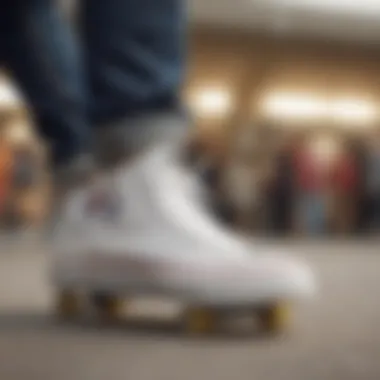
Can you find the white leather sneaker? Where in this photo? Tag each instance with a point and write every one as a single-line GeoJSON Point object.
{"type": "Point", "coordinates": [144, 229]}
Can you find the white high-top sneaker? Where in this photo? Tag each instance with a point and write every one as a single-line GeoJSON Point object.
{"type": "Point", "coordinates": [143, 229]}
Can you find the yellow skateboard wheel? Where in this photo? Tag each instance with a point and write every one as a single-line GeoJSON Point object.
{"type": "Point", "coordinates": [200, 321]}
{"type": "Point", "coordinates": [68, 304]}
{"type": "Point", "coordinates": [275, 319]}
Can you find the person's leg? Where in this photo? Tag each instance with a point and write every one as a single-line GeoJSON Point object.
{"type": "Point", "coordinates": [134, 53]}
{"type": "Point", "coordinates": [313, 214]}
{"type": "Point", "coordinates": [321, 210]}
{"type": "Point", "coordinates": [159, 224]}
{"type": "Point", "coordinates": [377, 213]}
{"type": "Point", "coordinates": [41, 55]}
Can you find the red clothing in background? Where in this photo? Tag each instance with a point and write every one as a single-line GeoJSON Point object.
{"type": "Point", "coordinates": [309, 174]}
{"type": "Point", "coordinates": [345, 175]}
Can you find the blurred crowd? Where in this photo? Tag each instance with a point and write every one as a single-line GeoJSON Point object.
{"type": "Point", "coordinates": [261, 181]}
{"type": "Point", "coordinates": [298, 184]}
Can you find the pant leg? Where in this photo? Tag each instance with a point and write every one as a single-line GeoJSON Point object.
{"type": "Point", "coordinates": [376, 212]}
{"type": "Point", "coordinates": [320, 213]}
{"type": "Point", "coordinates": [134, 53]}
{"type": "Point", "coordinates": [315, 214]}
{"type": "Point", "coordinates": [40, 53]}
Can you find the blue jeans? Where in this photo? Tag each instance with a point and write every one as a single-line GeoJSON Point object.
{"type": "Point", "coordinates": [313, 209]}
{"type": "Point", "coordinates": [126, 59]}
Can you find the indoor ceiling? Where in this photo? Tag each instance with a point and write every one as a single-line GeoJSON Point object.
{"type": "Point", "coordinates": [344, 19]}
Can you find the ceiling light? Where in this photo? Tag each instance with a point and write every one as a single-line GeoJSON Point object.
{"type": "Point", "coordinates": [9, 96]}
{"type": "Point", "coordinates": [363, 7]}
{"type": "Point", "coordinates": [354, 111]}
{"type": "Point", "coordinates": [291, 106]}
{"type": "Point", "coordinates": [211, 102]}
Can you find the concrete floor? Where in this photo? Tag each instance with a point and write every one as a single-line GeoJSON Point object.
{"type": "Point", "coordinates": [335, 337]}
